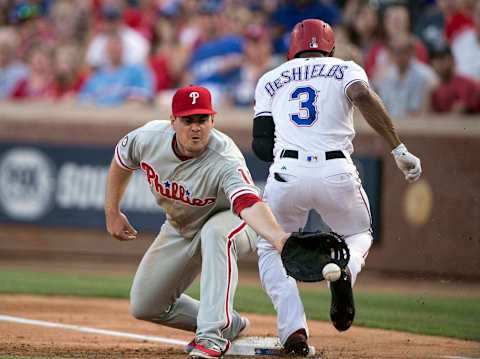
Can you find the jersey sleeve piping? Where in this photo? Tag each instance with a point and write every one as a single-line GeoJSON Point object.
{"type": "Point", "coordinates": [262, 113]}
{"type": "Point", "coordinates": [351, 83]}
{"type": "Point", "coordinates": [120, 162]}
{"type": "Point", "coordinates": [242, 191]}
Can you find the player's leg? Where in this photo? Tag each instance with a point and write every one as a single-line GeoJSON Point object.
{"type": "Point", "coordinates": [224, 238]}
{"type": "Point", "coordinates": [168, 267]}
{"type": "Point", "coordinates": [283, 292]}
{"type": "Point", "coordinates": [344, 206]}
{"type": "Point", "coordinates": [286, 201]}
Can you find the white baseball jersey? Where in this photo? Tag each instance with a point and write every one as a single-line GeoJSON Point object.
{"type": "Point", "coordinates": [307, 99]}
{"type": "Point", "coordinates": [312, 114]}
{"type": "Point", "coordinates": [189, 191]}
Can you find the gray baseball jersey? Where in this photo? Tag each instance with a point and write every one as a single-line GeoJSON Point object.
{"type": "Point", "coordinates": [189, 191]}
{"type": "Point", "coordinates": [201, 233]}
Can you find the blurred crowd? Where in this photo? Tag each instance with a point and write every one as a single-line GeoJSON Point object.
{"type": "Point", "coordinates": [421, 56]}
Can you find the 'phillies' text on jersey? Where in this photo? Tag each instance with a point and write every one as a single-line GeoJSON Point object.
{"type": "Point", "coordinates": [172, 189]}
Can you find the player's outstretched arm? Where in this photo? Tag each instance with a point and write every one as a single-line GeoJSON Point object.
{"type": "Point", "coordinates": [261, 219]}
{"type": "Point", "coordinates": [116, 222]}
{"type": "Point", "coordinates": [374, 112]}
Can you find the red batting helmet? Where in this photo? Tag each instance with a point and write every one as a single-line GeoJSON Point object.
{"type": "Point", "coordinates": [192, 100]}
{"type": "Point", "coordinates": [311, 35]}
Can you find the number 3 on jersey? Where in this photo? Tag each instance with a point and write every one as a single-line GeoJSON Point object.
{"type": "Point", "coordinates": [308, 112]}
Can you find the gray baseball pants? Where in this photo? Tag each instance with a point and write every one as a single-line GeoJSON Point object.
{"type": "Point", "coordinates": [172, 263]}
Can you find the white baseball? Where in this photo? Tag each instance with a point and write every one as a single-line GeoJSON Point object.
{"type": "Point", "coordinates": [331, 272]}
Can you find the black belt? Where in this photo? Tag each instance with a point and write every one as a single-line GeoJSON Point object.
{"type": "Point", "coordinates": [329, 155]}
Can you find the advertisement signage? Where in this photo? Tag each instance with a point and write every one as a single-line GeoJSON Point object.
{"type": "Point", "coordinates": [65, 186]}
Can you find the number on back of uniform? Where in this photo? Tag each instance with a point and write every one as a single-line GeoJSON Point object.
{"type": "Point", "coordinates": [306, 97]}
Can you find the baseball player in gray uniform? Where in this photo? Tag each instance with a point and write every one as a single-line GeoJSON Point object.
{"type": "Point", "coordinates": [213, 214]}
{"type": "Point", "coordinates": [304, 124]}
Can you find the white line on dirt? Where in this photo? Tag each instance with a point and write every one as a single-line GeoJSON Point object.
{"type": "Point", "coordinates": [79, 328]}
{"type": "Point", "coordinates": [149, 338]}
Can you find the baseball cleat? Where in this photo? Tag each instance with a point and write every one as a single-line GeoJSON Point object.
{"type": "Point", "coordinates": [297, 344]}
{"type": "Point", "coordinates": [244, 330]}
{"type": "Point", "coordinates": [207, 349]}
{"type": "Point", "coordinates": [342, 308]}
{"type": "Point", "coordinates": [189, 347]}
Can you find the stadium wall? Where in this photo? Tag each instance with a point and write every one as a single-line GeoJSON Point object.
{"type": "Point", "coordinates": [54, 158]}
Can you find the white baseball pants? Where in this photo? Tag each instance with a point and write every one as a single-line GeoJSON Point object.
{"type": "Point", "coordinates": [332, 188]}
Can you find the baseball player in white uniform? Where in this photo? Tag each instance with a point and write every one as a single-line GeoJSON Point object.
{"type": "Point", "coordinates": [303, 123]}
{"type": "Point", "coordinates": [199, 177]}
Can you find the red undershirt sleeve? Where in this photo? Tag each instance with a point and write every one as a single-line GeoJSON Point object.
{"type": "Point", "coordinates": [244, 201]}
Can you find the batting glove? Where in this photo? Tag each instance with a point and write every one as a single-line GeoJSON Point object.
{"type": "Point", "coordinates": [408, 163]}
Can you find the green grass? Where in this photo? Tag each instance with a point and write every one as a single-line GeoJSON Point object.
{"type": "Point", "coordinates": [41, 283]}
{"type": "Point", "coordinates": [452, 317]}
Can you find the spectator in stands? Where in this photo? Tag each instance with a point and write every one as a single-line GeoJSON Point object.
{"type": "Point", "coordinates": [344, 48]}
{"type": "Point", "coordinates": [70, 72]}
{"type": "Point", "coordinates": [116, 83]}
{"type": "Point", "coordinates": [32, 28]}
{"type": "Point", "coordinates": [189, 25]}
{"type": "Point", "coordinates": [71, 21]}
{"type": "Point", "coordinates": [135, 47]}
{"type": "Point", "coordinates": [169, 57]}
{"type": "Point", "coordinates": [395, 23]}
{"type": "Point", "coordinates": [457, 15]}
{"type": "Point", "coordinates": [216, 62]}
{"type": "Point", "coordinates": [455, 93]}
{"type": "Point", "coordinates": [238, 16]}
{"type": "Point", "coordinates": [465, 44]}
{"type": "Point", "coordinates": [11, 69]}
{"type": "Point", "coordinates": [40, 83]}
{"type": "Point", "coordinates": [258, 60]}
{"type": "Point", "coordinates": [4, 12]}
{"type": "Point", "coordinates": [139, 16]}
{"type": "Point", "coordinates": [362, 25]}
{"type": "Point", "coordinates": [406, 87]}
{"type": "Point", "coordinates": [429, 25]}
{"type": "Point", "coordinates": [290, 12]}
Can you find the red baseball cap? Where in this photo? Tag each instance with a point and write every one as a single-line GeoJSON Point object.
{"type": "Point", "coordinates": [192, 100]}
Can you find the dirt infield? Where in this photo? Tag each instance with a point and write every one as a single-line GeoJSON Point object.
{"type": "Point", "coordinates": [29, 340]}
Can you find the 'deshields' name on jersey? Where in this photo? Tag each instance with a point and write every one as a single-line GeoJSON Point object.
{"type": "Point", "coordinates": [173, 190]}
{"type": "Point", "coordinates": [302, 73]}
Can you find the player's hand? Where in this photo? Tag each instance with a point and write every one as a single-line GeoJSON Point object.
{"type": "Point", "coordinates": [119, 227]}
{"type": "Point", "coordinates": [409, 164]}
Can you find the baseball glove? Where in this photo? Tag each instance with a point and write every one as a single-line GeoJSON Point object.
{"type": "Point", "coordinates": [306, 253]}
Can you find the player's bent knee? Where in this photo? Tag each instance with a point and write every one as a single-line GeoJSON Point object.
{"type": "Point", "coordinates": [359, 245]}
{"type": "Point", "coordinates": [144, 307]}
{"type": "Point", "coordinates": [141, 311]}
